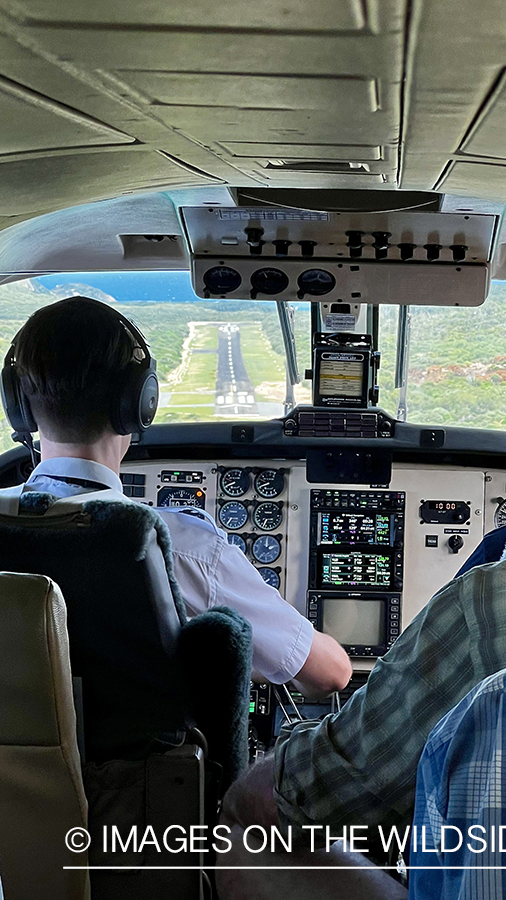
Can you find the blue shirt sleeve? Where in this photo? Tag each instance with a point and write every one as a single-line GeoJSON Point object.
{"type": "Point", "coordinates": [491, 549]}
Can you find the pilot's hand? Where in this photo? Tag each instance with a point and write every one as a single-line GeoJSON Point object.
{"type": "Point", "coordinates": [250, 800]}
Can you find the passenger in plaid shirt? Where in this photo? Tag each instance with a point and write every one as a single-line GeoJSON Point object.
{"type": "Point", "coordinates": [358, 767]}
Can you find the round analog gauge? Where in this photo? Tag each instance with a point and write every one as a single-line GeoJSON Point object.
{"type": "Point", "coordinates": [269, 281]}
{"type": "Point", "coordinates": [222, 280]}
{"type": "Point", "coordinates": [316, 282]}
{"type": "Point", "coordinates": [234, 482]}
{"type": "Point", "coordinates": [181, 496]}
{"type": "Point", "coordinates": [233, 514]}
{"type": "Point", "coordinates": [238, 541]}
{"type": "Point", "coordinates": [268, 516]}
{"type": "Point", "coordinates": [270, 576]}
{"type": "Point", "coordinates": [500, 514]}
{"type": "Point", "coordinates": [266, 549]}
{"type": "Point", "coordinates": [269, 483]}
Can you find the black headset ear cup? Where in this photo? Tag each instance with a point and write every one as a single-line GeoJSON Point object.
{"type": "Point", "coordinates": [135, 407]}
{"type": "Point", "coordinates": [15, 402]}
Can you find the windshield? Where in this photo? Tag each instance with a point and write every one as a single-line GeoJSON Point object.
{"type": "Point", "coordinates": [215, 359]}
{"type": "Point", "coordinates": [457, 363]}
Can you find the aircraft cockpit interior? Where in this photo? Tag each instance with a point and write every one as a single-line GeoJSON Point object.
{"type": "Point", "coordinates": [300, 206]}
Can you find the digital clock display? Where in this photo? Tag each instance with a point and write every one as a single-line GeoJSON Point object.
{"type": "Point", "coordinates": [445, 512]}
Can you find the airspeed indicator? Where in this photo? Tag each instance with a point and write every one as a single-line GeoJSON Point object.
{"type": "Point", "coordinates": [269, 482]}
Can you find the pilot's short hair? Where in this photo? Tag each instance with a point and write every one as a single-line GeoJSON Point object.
{"type": "Point", "coordinates": [71, 359]}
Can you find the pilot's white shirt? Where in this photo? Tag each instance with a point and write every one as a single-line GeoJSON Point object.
{"type": "Point", "coordinates": [210, 571]}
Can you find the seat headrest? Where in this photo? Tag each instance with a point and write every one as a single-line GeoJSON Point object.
{"type": "Point", "coordinates": [36, 704]}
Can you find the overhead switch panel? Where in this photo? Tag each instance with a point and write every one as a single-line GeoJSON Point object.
{"type": "Point", "coordinates": [407, 258]}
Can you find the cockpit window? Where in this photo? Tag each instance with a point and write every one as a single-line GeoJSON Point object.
{"type": "Point", "coordinates": [457, 363]}
{"type": "Point", "coordinates": [216, 359]}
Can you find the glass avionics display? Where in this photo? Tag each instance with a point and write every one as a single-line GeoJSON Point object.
{"type": "Point", "coordinates": [355, 528]}
{"type": "Point", "coordinates": [356, 569]}
{"type": "Point", "coordinates": [355, 622]}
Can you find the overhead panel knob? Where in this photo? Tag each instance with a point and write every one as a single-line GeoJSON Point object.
{"type": "Point", "coordinates": [407, 250]}
{"type": "Point", "coordinates": [432, 251]}
{"type": "Point", "coordinates": [355, 243]}
{"type": "Point", "coordinates": [281, 247]}
{"type": "Point", "coordinates": [254, 239]}
{"type": "Point", "coordinates": [459, 252]}
{"type": "Point", "coordinates": [381, 244]}
{"type": "Point", "coordinates": [307, 247]}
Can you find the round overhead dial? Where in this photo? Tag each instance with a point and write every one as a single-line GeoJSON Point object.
{"type": "Point", "coordinates": [500, 513]}
{"type": "Point", "coordinates": [269, 482]}
{"type": "Point", "coordinates": [266, 549]}
{"type": "Point", "coordinates": [269, 281]}
{"type": "Point", "coordinates": [270, 576]}
{"type": "Point", "coordinates": [234, 482]}
{"type": "Point", "coordinates": [316, 282]}
{"type": "Point", "coordinates": [233, 514]}
{"type": "Point", "coordinates": [238, 541]}
{"type": "Point", "coordinates": [268, 516]}
{"type": "Point", "coordinates": [222, 280]}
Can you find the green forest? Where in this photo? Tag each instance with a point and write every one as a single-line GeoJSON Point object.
{"type": "Point", "coordinates": [457, 363]}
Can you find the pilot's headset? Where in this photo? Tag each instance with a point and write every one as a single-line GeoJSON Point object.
{"type": "Point", "coordinates": [133, 407]}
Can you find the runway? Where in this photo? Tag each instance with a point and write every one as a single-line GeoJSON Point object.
{"type": "Point", "coordinates": [235, 393]}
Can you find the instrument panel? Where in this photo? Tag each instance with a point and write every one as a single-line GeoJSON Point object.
{"type": "Point", "coordinates": [265, 507]}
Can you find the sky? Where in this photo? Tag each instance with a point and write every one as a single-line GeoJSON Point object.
{"type": "Point", "coordinates": [126, 287]}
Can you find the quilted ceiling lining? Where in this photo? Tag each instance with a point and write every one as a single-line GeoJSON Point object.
{"type": "Point", "coordinates": [112, 96]}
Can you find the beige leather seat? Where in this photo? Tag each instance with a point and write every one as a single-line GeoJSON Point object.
{"type": "Point", "coordinates": [41, 789]}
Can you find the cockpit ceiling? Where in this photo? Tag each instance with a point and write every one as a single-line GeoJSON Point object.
{"type": "Point", "coordinates": [108, 97]}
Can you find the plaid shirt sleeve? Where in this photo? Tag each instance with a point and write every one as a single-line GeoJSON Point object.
{"type": "Point", "coordinates": [359, 766]}
{"type": "Point", "coordinates": [461, 787]}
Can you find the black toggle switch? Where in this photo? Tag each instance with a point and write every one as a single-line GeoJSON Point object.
{"type": "Point", "coordinates": [432, 251]}
{"type": "Point", "coordinates": [281, 247]}
{"type": "Point", "coordinates": [307, 247]}
{"type": "Point", "coordinates": [381, 244]}
{"type": "Point", "coordinates": [455, 543]}
{"type": "Point", "coordinates": [254, 239]}
{"type": "Point", "coordinates": [355, 243]}
{"type": "Point", "coordinates": [459, 252]}
{"type": "Point", "coordinates": [406, 250]}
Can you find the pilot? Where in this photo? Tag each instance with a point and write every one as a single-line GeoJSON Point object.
{"type": "Point", "coordinates": [358, 767]}
{"type": "Point", "coordinates": [72, 358]}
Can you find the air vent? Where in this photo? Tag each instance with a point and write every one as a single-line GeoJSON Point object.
{"type": "Point", "coordinates": [154, 245]}
{"type": "Point", "coordinates": [340, 167]}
